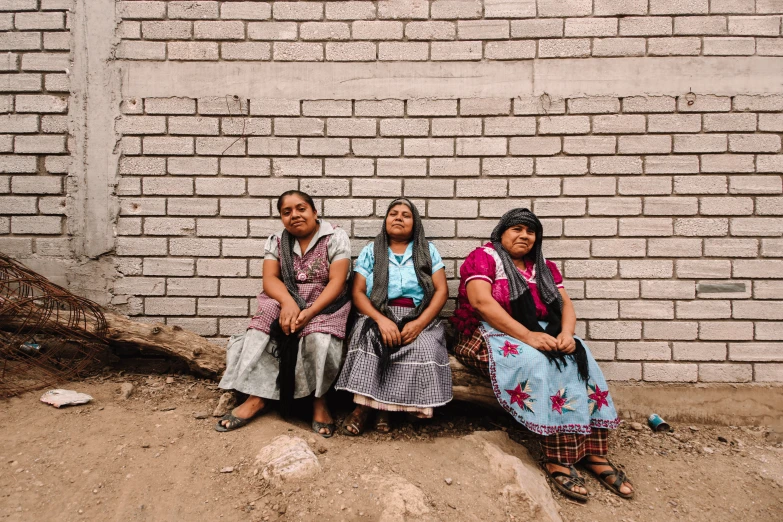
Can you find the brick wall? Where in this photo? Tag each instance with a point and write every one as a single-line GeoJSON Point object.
{"type": "Point", "coordinates": [665, 213]}
{"type": "Point", "coordinates": [447, 30]}
{"type": "Point", "coordinates": [663, 207]}
{"type": "Point", "coordinates": [34, 85]}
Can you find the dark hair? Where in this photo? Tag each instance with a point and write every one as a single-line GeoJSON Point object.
{"type": "Point", "coordinates": [299, 193]}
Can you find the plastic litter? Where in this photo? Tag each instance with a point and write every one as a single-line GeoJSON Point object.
{"type": "Point", "coordinates": [59, 398]}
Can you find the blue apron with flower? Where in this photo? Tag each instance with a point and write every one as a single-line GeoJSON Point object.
{"type": "Point", "coordinates": [542, 398]}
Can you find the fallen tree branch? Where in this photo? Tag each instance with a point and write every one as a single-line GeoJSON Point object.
{"type": "Point", "coordinates": [209, 359]}
{"type": "Point", "coordinates": [202, 357]}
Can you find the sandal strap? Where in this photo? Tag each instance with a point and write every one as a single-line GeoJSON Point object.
{"type": "Point", "coordinates": [573, 477]}
{"type": "Point", "coordinates": [620, 476]}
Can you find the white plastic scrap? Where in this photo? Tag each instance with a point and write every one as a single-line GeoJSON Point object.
{"type": "Point", "coordinates": [59, 398]}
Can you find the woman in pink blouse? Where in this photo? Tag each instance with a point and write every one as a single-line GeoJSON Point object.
{"type": "Point", "coordinates": [516, 324]}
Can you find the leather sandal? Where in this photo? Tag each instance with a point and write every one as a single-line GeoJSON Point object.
{"type": "Point", "coordinates": [328, 426]}
{"type": "Point", "coordinates": [566, 487]}
{"type": "Point", "coordinates": [234, 422]}
{"type": "Point", "coordinates": [355, 421]}
{"type": "Point", "coordinates": [619, 476]}
{"type": "Point", "coordinates": [382, 424]}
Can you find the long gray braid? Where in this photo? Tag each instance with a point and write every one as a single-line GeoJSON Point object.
{"type": "Point", "coordinates": [422, 264]}
{"type": "Point", "coordinates": [287, 268]}
{"type": "Point", "coordinates": [287, 242]}
{"type": "Point", "coordinates": [523, 308]}
{"type": "Point", "coordinates": [287, 345]}
{"type": "Point", "coordinates": [379, 296]}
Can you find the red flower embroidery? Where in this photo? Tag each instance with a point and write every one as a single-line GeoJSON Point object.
{"type": "Point", "coordinates": [521, 397]}
{"type": "Point", "coordinates": [509, 349]}
{"type": "Point", "coordinates": [560, 401]}
{"type": "Point", "coordinates": [597, 397]}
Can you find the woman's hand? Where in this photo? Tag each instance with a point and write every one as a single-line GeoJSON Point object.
{"type": "Point", "coordinates": [289, 312]}
{"type": "Point", "coordinates": [389, 332]}
{"type": "Point", "coordinates": [541, 341]}
{"type": "Point", "coordinates": [411, 331]}
{"type": "Point", "coordinates": [304, 317]}
{"type": "Point", "coordinates": [566, 343]}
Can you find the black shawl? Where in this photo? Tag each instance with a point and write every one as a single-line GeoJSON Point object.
{"type": "Point", "coordinates": [523, 308]}
{"type": "Point", "coordinates": [422, 263]}
{"type": "Point", "coordinates": [287, 346]}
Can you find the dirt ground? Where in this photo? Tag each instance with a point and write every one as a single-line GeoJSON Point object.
{"type": "Point", "coordinates": [150, 458]}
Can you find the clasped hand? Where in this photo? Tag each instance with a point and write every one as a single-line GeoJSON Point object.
{"type": "Point", "coordinates": [544, 342]}
{"type": "Point", "coordinates": [292, 319]}
{"type": "Point", "coordinates": [392, 336]}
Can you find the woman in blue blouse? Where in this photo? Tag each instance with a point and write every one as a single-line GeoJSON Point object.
{"type": "Point", "coordinates": [397, 358]}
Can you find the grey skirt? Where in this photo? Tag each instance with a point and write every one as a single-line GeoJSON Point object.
{"type": "Point", "coordinates": [252, 368]}
{"type": "Point", "coordinates": [418, 373]}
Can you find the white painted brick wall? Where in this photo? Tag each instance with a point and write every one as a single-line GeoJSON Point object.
{"type": "Point", "coordinates": [663, 211]}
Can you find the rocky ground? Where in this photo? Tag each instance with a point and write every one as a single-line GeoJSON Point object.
{"type": "Point", "coordinates": [155, 456]}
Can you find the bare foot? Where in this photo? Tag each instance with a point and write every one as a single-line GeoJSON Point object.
{"type": "Point", "coordinates": [552, 467]}
{"type": "Point", "coordinates": [321, 413]}
{"type": "Point", "coordinates": [598, 465]}
{"type": "Point", "coordinates": [247, 409]}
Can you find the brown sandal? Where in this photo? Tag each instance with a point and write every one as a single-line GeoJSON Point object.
{"type": "Point", "coordinates": [382, 424]}
{"type": "Point", "coordinates": [619, 476]}
{"type": "Point", "coordinates": [355, 420]}
{"type": "Point", "coordinates": [567, 486]}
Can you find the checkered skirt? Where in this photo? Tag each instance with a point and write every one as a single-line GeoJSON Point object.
{"type": "Point", "coordinates": [418, 374]}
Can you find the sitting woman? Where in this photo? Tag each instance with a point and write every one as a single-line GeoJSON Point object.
{"type": "Point", "coordinates": [397, 358]}
{"type": "Point", "coordinates": [516, 325]}
{"type": "Point", "coordinates": [293, 346]}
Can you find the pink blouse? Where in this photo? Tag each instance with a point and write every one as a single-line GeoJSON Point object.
{"type": "Point", "coordinates": [484, 263]}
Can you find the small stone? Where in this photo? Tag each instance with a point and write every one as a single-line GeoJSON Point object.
{"type": "Point", "coordinates": [227, 469]}
{"type": "Point", "coordinates": [282, 509]}
{"type": "Point", "coordinates": [226, 402]}
{"type": "Point", "coordinates": [723, 439]}
{"type": "Point", "coordinates": [126, 390]}
{"type": "Point", "coordinates": [708, 450]}
{"type": "Point", "coordinates": [201, 415]}
{"type": "Point", "coordinates": [449, 481]}
{"type": "Point", "coordinates": [636, 426]}
{"type": "Point", "coordinates": [145, 445]}
{"type": "Point", "coordinates": [168, 408]}
{"type": "Point", "coordinates": [169, 380]}
{"type": "Point", "coordinates": [693, 428]}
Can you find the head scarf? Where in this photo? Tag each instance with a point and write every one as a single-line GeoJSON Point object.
{"type": "Point", "coordinates": [422, 263]}
{"type": "Point", "coordinates": [287, 347]}
{"type": "Point", "coordinates": [523, 308]}
{"type": "Point", "coordinates": [379, 296]}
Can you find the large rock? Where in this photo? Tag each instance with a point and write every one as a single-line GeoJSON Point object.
{"type": "Point", "coordinates": [286, 458]}
{"type": "Point", "coordinates": [525, 482]}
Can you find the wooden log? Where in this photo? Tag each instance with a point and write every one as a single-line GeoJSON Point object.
{"type": "Point", "coordinates": [202, 357]}
{"type": "Point", "coordinates": [209, 359]}
{"type": "Point", "coordinates": [471, 387]}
